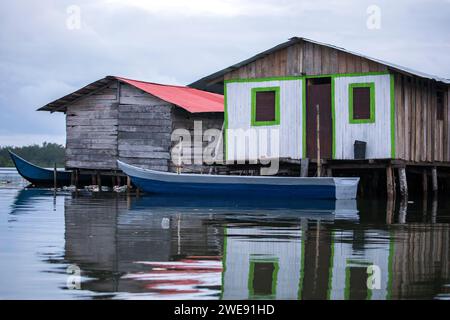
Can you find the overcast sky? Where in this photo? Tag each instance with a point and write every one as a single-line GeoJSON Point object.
{"type": "Point", "coordinates": [44, 55]}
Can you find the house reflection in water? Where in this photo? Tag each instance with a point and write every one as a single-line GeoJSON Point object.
{"type": "Point", "coordinates": [157, 250]}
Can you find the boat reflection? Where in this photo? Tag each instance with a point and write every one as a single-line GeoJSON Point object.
{"type": "Point", "coordinates": [161, 248]}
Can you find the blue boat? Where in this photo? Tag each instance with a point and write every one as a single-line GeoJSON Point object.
{"type": "Point", "coordinates": [41, 177]}
{"type": "Point", "coordinates": [260, 187]}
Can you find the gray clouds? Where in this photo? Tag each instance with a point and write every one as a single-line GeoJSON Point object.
{"type": "Point", "coordinates": [177, 41]}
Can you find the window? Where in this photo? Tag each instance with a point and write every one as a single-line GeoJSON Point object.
{"type": "Point", "coordinates": [265, 106]}
{"type": "Point", "coordinates": [440, 105]}
{"type": "Point", "coordinates": [263, 274]}
{"type": "Point", "coordinates": [361, 102]}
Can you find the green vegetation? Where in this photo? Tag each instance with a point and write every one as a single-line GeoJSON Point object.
{"type": "Point", "coordinates": [44, 156]}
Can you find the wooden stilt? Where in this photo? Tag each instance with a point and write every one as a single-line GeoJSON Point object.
{"type": "Point", "coordinates": [319, 164]}
{"type": "Point", "coordinates": [329, 172]}
{"type": "Point", "coordinates": [403, 183]}
{"type": "Point", "coordinates": [425, 181]}
{"type": "Point", "coordinates": [76, 178]}
{"type": "Point", "coordinates": [434, 207]}
{"type": "Point", "coordinates": [434, 179]}
{"type": "Point", "coordinates": [390, 210]}
{"type": "Point", "coordinates": [424, 206]}
{"type": "Point", "coordinates": [389, 182]}
{"type": "Point", "coordinates": [55, 173]}
{"type": "Point", "coordinates": [304, 163]}
{"type": "Point", "coordinates": [99, 181]}
{"type": "Point", "coordinates": [403, 209]}
{"type": "Point", "coordinates": [93, 180]}
{"type": "Point", "coordinates": [72, 178]}
{"type": "Point", "coordinates": [128, 184]}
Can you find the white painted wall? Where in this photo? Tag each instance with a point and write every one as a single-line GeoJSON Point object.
{"type": "Point", "coordinates": [242, 244]}
{"type": "Point", "coordinates": [290, 127]}
{"type": "Point", "coordinates": [376, 254]}
{"type": "Point", "coordinates": [378, 134]}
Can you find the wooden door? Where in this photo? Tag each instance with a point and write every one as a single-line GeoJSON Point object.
{"type": "Point", "coordinates": [318, 94]}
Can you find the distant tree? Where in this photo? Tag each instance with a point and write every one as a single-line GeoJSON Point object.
{"type": "Point", "coordinates": [44, 156]}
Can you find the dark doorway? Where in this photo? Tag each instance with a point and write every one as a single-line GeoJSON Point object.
{"type": "Point", "coordinates": [318, 92]}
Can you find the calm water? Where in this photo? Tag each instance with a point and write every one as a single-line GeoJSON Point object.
{"type": "Point", "coordinates": [165, 248]}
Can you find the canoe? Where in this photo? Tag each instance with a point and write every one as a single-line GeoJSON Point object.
{"type": "Point", "coordinates": [152, 181]}
{"type": "Point", "coordinates": [41, 177]}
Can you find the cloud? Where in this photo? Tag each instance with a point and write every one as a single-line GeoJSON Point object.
{"type": "Point", "coordinates": [179, 42]}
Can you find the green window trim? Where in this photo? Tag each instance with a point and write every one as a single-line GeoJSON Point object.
{"type": "Point", "coordinates": [371, 86]}
{"type": "Point", "coordinates": [277, 106]}
{"type": "Point", "coordinates": [251, 277]}
{"type": "Point", "coordinates": [355, 263]}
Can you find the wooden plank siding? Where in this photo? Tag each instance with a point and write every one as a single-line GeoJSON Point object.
{"type": "Point", "coordinates": [420, 137]}
{"type": "Point", "coordinates": [121, 122]}
{"type": "Point", "coordinates": [91, 130]}
{"type": "Point", "coordinates": [307, 58]}
{"type": "Point", "coordinates": [410, 273]}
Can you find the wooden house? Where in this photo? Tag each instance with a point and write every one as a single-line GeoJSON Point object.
{"type": "Point", "coordinates": [122, 119]}
{"type": "Point", "coordinates": [401, 115]}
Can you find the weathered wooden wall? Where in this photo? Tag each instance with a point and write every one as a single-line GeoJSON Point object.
{"type": "Point", "coordinates": [144, 129]}
{"type": "Point", "coordinates": [121, 122]}
{"type": "Point", "coordinates": [308, 58]}
{"type": "Point", "coordinates": [181, 119]}
{"type": "Point", "coordinates": [412, 273]}
{"type": "Point", "coordinates": [420, 137]}
{"type": "Point", "coordinates": [91, 130]}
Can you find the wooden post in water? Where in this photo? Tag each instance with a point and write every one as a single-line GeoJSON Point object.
{"type": "Point", "coordinates": [128, 184]}
{"type": "Point", "coordinates": [424, 182]}
{"type": "Point", "coordinates": [76, 178]}
{"type": "Point", "coordinates": [389, 182]}
{"type": "Point", "coordinates": [55, 184]}
{"type": "Point", "coordinates": [390, 210]}
{"type": "Point", "coordinates": [99, 181]}
{"type": "Point", "coordinates": [403, 183]}
{"type": "Point", "coordinates": [434, 179]}
{"type": "Point", "coordinates": [319, 165]}
{"type": "Point", "coordinates": [304, 164]}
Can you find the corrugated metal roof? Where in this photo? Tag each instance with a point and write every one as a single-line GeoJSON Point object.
{"type": "Point", "coordinates": [206, 81]}
{"type": "Point", "coordinates": [190, 99]}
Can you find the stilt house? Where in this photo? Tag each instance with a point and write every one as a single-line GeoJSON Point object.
{"type": "Point", "coordinates": [116, 118]}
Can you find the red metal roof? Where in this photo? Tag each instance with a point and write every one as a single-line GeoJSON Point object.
{"type": "Point", "coordinates": [192, 100]}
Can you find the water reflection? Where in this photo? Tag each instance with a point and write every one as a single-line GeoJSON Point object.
{"type": "Point", "coordinates": [162, 248]}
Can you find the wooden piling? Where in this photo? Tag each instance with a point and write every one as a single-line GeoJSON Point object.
{"type": "Point", "coordinates": [128, 184]}
{"type": "Point", "coordinates": [319, 165]}
{"type": "Point", "coordinates": [390, 210]}
{"type": "Point", "coordinates": [76, 178]}
{"type": "Point", "coordinates": [403, 183]}
{"type": "Point", "coordinates": [55, 173]}
{"type": "Point", "coordinates": [99, 181]}
{"type": "Point", "coordinates": [304, 166]}
{"type": "Point", "coordinates": [329, 172]}
{"type": "Point", "coordinates": [389, 182]}
{"type": "Point", "coordinates": [424, 181]}
{"type": "Point", "coordinates": [403, 210]}
{"type": "Point", "coordinates": [434, 179]}
{"type": "Point", "coordinates": [434, 207]}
